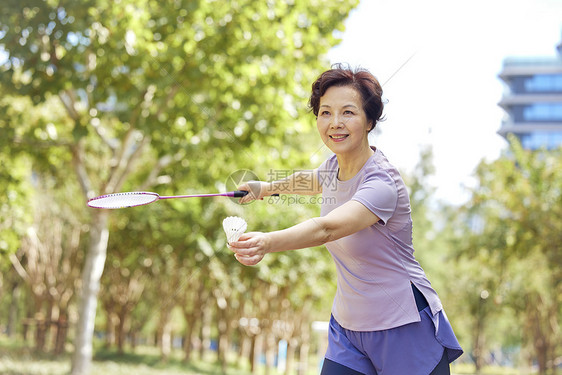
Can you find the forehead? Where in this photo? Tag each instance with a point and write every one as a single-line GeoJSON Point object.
{"type": "Point", "coordinates": [341, 95]}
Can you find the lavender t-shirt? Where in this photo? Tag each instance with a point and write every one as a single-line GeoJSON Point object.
{"type": "Point", "coordinates": [375, 266]}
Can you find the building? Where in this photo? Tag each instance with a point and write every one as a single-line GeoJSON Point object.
{"type": "Point", "coordinates": [533, 100]}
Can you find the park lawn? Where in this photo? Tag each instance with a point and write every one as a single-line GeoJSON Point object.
{"type": "Point", "coordinates": [18, 359]}
{"type": "Point", "coordinates": [468, 369]}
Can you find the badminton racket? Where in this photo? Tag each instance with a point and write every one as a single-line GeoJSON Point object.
{"type": "Point", "coordinates": [141, 198]}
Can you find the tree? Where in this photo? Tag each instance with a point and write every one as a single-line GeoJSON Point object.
{"type": "Point", "coordinates": [512, 239]}
{"type": "Point", "coordinates": [141, 81]}
{"type": "Point", "coordinates": [49, 261]}
{"type": "Point", "coordinates": [15, 173]}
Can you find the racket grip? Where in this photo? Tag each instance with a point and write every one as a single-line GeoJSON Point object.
{"type": "Point", "coordinates": [243, 193]}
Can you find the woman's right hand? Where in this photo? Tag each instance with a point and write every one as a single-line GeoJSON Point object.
{"type": "Point", "coordinates": [251, 247]}
{"type": "Point", "coordinates": [256, 190]}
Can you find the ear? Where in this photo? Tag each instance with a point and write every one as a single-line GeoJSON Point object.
{"type": "Point", "coordinates": [371, 126]}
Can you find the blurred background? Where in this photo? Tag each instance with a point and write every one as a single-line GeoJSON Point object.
{"type": "Point", "coordinates": [187, 96]}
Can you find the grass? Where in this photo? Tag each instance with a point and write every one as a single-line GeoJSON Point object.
{"type": "Point", "coordinates": [12, 363]}
{"type": "Point", "coordinates": [468, 369]}
{"type": "Point", "coordinates": [18, 359]}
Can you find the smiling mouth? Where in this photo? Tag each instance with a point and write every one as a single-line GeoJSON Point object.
{"type": "Point", "coordinates": [339, 137]}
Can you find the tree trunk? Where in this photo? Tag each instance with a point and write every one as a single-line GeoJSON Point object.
{"type": "Point", "coordinates": [205, 328]}
{"type": "Point", "coordinates": [164, 332]}
{"type": "Point", "coordinates": [269, 350]}
{"type": "Point", "coordinates": [478, 343]}
{"type": "Point", "coordinates": [291, 348]}
{"type": "Point", "coordinates": [188, 335]}
{"type": "Point", "coordinates": [133, 338]}
{"type": "Point", "coordinates": [13, 309]}
{"type": "Point", "coordinates": [41, 325]}
{"type": "Point", "coordinates": [91, 275]}
{"type": "Point", "coordinates": [257, 351]}
{"type": "Point", "coordinates": [245, 346]}
{"type": "Point", "coordinates": [305, 340]}
{"type": "Point", "coordinates": [303, 356]}
{"type": "Point", "coordinates": [123, 312]}
{"type": "Point", "coordinates": [61, 332]}
{"type": "Point", "coordinates": [166, 341]}
{"type": "Point", "coordinates": [542, 331]}
{"type": "Point", "coordinates": [252, 358]}
{"type": "Point", "coordinates": [109, 325]}
{"type": "Point", "coordinates": [222, 326]}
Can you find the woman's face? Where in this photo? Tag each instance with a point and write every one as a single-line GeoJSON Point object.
{"type": "Point", "coordinates": [342, 122]}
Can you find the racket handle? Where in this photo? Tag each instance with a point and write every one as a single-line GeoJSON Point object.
{"type": "Point", "coordinates": [243, 193]}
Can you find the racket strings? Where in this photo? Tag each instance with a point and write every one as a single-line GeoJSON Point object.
{"type": "Point", "coordinates": [122, 200]}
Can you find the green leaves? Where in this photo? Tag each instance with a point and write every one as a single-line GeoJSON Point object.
{"type": "Point", "coordinates": [511, 246]}
{"type": "Point", "coordinates": [171, 97]}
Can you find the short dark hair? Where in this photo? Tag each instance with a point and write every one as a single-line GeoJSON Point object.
{"type": "Point", "coordinates": [360, 79]}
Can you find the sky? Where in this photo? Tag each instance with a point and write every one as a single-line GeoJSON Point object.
{"type": "Point", "coordinates": [438, 61]}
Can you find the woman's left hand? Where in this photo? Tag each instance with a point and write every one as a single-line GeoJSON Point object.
{"type": "Point", "coordinates": [250, 248]}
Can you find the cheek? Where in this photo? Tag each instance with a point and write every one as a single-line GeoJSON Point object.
{"type": "Point", "coordinates": [321, 130]}
{"type": "Point", "coordinates": [320, 125]}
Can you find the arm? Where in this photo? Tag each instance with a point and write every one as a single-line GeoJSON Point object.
{"type": "Point", "coordinates": [301, 182]}
{"type": "Point", "coordinates": [347, 219]}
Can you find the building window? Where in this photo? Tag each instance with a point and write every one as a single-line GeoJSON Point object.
{"type": "Point", "coordinates": [536, 140]}
{"type": "Point", "coordinates": [544, 83]}
{"type": "Point", "coordinates": [543, 112]}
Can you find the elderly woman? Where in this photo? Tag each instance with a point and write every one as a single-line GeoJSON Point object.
{"type": "Point", "coordinates": [386, 317]}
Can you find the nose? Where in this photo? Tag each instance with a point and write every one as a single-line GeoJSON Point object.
{"type": "Point", "coordinates": [337, 122]}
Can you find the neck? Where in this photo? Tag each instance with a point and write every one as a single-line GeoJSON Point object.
{"type": "Point", "coordinates": [351, 163]}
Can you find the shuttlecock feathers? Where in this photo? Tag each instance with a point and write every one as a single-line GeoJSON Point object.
{"type": "Point", "coordinates": [234, 227]}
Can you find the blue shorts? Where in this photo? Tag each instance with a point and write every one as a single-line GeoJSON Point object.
{"type": "Point", "coordinates": [413, 349]}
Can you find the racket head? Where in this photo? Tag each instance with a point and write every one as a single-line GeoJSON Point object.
{"type": "Point", "coordinates": [123, 200]}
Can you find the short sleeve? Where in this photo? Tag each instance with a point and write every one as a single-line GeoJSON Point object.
{"type": "Point", "coordinates": [379, 194]}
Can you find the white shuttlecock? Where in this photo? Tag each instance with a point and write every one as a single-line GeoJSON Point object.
{"type": "Point", "coordinates": [234, 227]}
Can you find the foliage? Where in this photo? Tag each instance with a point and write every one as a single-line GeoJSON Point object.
{"type": "Point", "coordinates": [104, 96]}
{"type": "Point", "coordinates": [110, 96]}
{"type": "Point", "coordinates": [496, 260]}
{"type": "Point", "coordinates": [16, 189]}
{"type": "Point", "coordinates": [508, 246]}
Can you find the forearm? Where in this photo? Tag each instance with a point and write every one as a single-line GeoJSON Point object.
{"type": "Point", "coordinates": [309, 233]}
{"type": "Point", "coordinates": [349, 218]}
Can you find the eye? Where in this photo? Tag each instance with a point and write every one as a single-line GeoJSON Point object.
{"type": "Point", "coordinates": [348, 112]}
{"type": "Point", "coordinates": [324, 113]}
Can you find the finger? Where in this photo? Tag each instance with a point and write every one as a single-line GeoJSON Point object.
{"type": "Point", "coordinates": [243, 248]}
{"type": "Point", "coordinates": [241, 244]}
{"type": "Point", "coordinates": [245, 237]}
{"type": "Point", "coordinates": [248, 197]}
{"type": "Point", "coordinates": [248, 260]}
{"type": "Point", "coordinates": [244, 251]}
{"type": "Point", "coordinates": [254, 191]}
{"type": "Point", "coordinates": [245, 240]}
{"type": "Point", "coordinates": [243, 260]}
